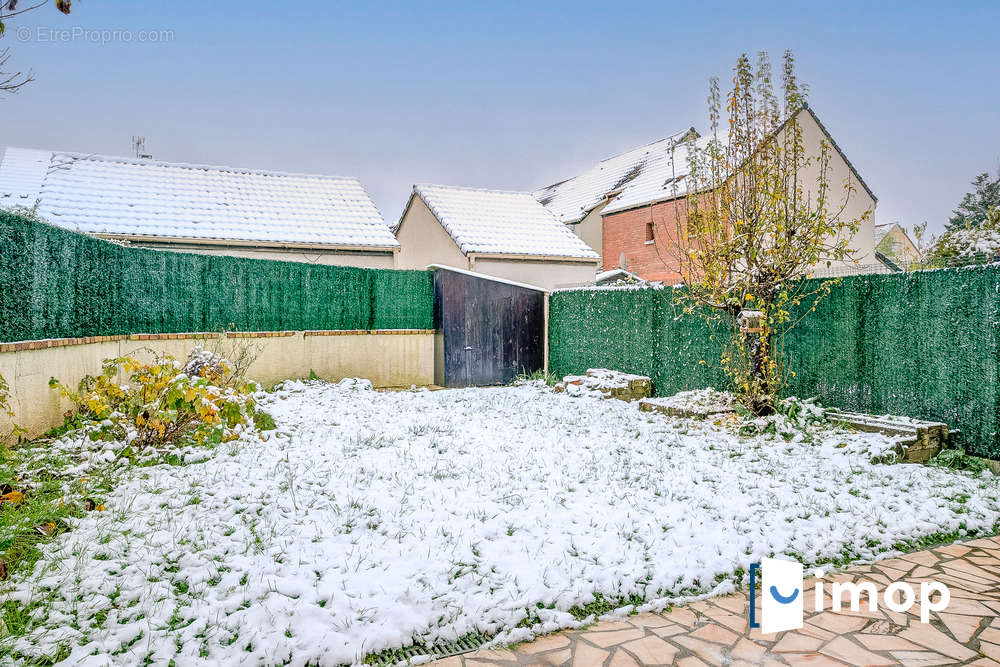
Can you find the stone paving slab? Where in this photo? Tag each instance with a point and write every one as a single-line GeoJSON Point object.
{"type": "Point", "coordinates": [715, 632]}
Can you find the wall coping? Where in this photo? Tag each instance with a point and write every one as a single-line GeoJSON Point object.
{"type": "Point", "coordinates": [21, 346]}
{"type": "Point", "coordinates": [366, 332]}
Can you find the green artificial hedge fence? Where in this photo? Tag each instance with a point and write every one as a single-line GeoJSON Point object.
{"type": "Point", "coordinates": [923, 344]}
{"type": "Point", "coordinates": [635, 330]}
{"type": "Point", "coordinates": [56, 283]}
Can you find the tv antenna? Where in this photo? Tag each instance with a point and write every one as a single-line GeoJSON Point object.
{"type": "Point", "coordinates": [139, 146]}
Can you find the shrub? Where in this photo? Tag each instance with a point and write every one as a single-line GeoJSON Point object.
{"type": "Point", "coordinates": [262, 421]}
{"type": "Point", "coordinates": [793, 419]}
{"type": "Point", "coordinates": [14, 431]}
{"type": "Point", "coordinates": [201, 401]}
{"type": "Point", "coordinates": [957, 459]}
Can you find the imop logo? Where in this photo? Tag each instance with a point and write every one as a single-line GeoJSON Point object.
{"type": "Point", "coordinates": [782, 594]}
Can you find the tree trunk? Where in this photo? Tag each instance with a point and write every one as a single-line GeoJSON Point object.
{"type": "Point", "coordinates": [760, 399]}
{"type": "Point", "coordinates": [762, 402]}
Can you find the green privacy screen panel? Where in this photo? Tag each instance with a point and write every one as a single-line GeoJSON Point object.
{"type": "Point", "coordinates": [636, 331]}
{"type": "Point", "coordinates": [922, 344]}
{"type": "Point", "coordinates": [56, 283]}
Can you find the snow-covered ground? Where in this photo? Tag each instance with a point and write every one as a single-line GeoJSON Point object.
{"type": "Point", "coordinates": [373, 520]}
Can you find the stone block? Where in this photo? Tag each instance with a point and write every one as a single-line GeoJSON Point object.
{"type": "Point", "coordinates": [607, 383]}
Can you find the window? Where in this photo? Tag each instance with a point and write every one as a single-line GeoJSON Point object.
{"type": "Point", "coordinates": [649, 233]}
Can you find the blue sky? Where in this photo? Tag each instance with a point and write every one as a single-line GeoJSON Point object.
{"type": "Point", "coordinates": [505, 95]}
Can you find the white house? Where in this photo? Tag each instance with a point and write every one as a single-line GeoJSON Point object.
{"type": "Point", "coordinates": [628, 206]}
{"type": "Point", "coordinates": [494, 232]}
{"type": "Point", "coordinates": [200, 208]}
{"type": "Point", "coordinates": [892, 241]}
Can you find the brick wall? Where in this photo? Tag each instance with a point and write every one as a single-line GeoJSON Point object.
{"type": "Point", "coordinates": [627, 232]}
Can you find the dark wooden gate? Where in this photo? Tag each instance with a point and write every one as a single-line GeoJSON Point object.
{"type": "Point", "coordinates": [492, 330]}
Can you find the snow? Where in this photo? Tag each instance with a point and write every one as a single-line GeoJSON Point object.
{"type": "Point", "coordinates": [22, 172]}
{"type": "Point", "coordinates": [615, 274]}
{"type": "Point", "coordinates": [500, 222]}
{"type": "Point", "coordinates": [614, 287]}
{"type": "Point", "coordinates": [972, 243]}
{"type": "Point", "coordinates": [605, 378]}
{"type": "Point", "coordinates": [98, 194]}
{"type": "Point", "coordinates": [604, 383]}
{"type": "Point", "coordinates": [619, 276]}
{"type": "Point", "coordinates": [702, 402]}
{"type": "Point", "coordinates": [645, 175]}
{"type": "Point", "coordinates": [372, 520]}
{"type": "Point", "coordinates": [639, 176]}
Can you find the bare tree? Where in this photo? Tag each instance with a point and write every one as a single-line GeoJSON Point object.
{"type": "Point", "coordinates": [11, 82]}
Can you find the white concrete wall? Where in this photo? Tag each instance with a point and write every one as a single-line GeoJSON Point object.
{"type": "Point", "coordinates": [549, 274]}
{"type": "Point", "coordinates": [424, 241]}
{"type": "Point", "coordinates": [370, 260]}
{"type": "Point", "coordinates": [862, 243]}
{"type": "Point", "coordinates": [388, 359]}
{"type": "Point", "coordinates": [591, 229]}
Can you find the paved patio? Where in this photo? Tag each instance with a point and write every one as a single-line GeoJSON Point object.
{"type": "Point", "coordinates": [714, 632]}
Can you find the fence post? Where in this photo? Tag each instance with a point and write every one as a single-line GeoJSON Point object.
{"type": "Point", "coordinates": [545, 332]}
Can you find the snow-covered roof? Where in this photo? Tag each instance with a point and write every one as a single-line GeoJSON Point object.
{"type": "Point", "coordinates": [127, 197]}
{"type": "Point", "coordinates": [500, 222]}
{"type": "Point", "coordinates": [615, 275]}
{"type": "Point", "coordinates": [643, 174]}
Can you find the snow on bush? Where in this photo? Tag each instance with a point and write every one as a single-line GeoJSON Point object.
{"type": "Point", "coordinates": [165, 401]}
{"type": "Point", "coordinates": [373, 520]}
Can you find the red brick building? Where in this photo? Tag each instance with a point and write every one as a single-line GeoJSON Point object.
{"type": "Point", "coordinates": [644, 239]}
{"type": "Point", "coordinates": [628, 207]}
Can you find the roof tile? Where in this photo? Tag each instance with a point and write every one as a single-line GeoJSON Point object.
{"type": "Point", "coordinates": [648, 173]}
{"type": "Point", "coordinates": [117, 196]}
{"type": "Point", "coordinates": [502, 222]}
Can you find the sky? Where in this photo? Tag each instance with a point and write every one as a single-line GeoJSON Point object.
{"type": "Point", "coordinates": [501, 95]}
